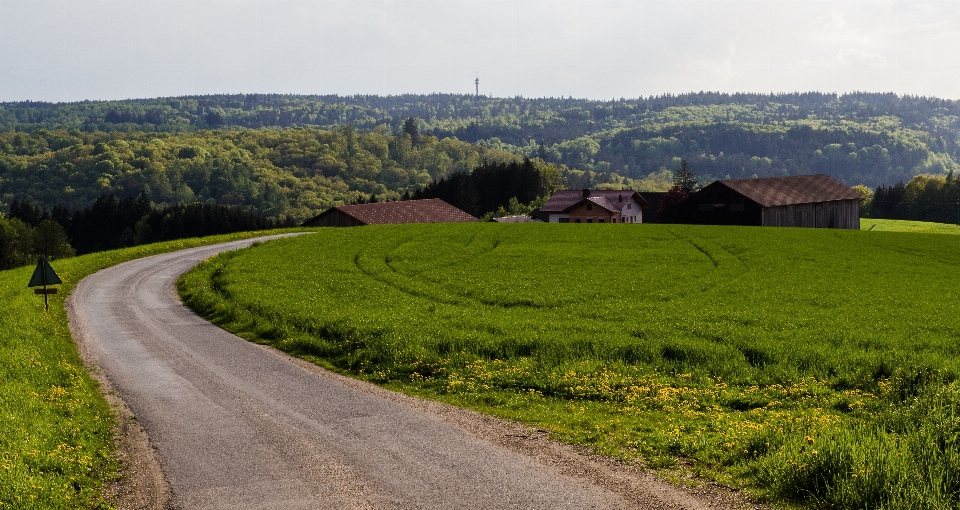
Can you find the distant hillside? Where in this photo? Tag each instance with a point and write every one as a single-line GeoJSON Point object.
{"type": "Point", "coordinates": [859, 138]}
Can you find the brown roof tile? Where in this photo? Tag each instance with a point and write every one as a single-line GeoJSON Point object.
{"type": "Point", "coordinates": [797, 189]}
{"type": "Point", "coordinates": [431, 210]}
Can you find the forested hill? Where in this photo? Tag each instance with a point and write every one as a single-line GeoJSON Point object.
{"type": "Point", "coordinates": [862, 138]}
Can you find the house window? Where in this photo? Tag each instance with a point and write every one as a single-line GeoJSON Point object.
{"type": "Point", "coordinates": [589, 220]}
{"type": "Point", "coordinates": [589, 207]}
{"type": "Point", "coordinates": [600, 220]}
{"type": "Point", "coordinates": [628, 206]}
{"type": "Point", "coordinates": [564, 220]}
{"type": "Point", "coordinates": [577, 220]}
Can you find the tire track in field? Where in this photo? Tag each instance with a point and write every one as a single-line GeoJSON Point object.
{"type": "Point", "coordinates": [726, 264]}
{"type": "Point", "coordinates": [427, 289]}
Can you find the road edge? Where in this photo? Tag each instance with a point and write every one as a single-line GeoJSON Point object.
{"type": "Point", "coordinates": [141, 484]}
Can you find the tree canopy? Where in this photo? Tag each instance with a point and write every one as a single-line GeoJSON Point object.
{"type": "Point", "coordinates": [294, 155]}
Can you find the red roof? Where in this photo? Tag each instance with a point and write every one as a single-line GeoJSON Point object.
{"type": "Point", "coordinates": [797, 189]}
{"type": "Point", "coordinates": [431, 210]}
{"type": "Point", "coordinates": [562, 200]}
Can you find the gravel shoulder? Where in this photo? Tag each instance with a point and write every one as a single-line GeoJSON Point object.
{"type": "Point", "coordinates": [209, 420]}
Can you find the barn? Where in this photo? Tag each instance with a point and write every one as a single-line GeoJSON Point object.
{"type": "Point", "coordinates": [431, 210]}
{"type": "Point", "coordinates": [818, 201]}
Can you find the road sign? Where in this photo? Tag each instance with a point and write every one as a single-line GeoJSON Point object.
{"type": "Point", "coordinates": [44, 275]}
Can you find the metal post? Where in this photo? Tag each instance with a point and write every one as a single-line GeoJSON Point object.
{"type": "Point", "coordinates": [43, 273]}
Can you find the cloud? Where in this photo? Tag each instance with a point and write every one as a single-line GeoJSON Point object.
{"type": "Point", "coordinates": [716, 72]}
{"type": "Point", "coordinates": [850, 58]}
{"type": "Point", "coordinates": [859, 58]}
{"type": "Point", "coordinates": [585, 48]}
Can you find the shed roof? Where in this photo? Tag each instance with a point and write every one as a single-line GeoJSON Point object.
{"type": "Point", "coordinates": [564, 199]}
{"type": "Point", "coordinates": [515, 219]}
{"type": "Point", "coordinates": [797, 189]}
{"type": "Point", "coordinates": [430, 210]}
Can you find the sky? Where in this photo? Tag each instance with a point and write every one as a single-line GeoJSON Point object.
{"type": "Point", "coordinates": [119, 49]}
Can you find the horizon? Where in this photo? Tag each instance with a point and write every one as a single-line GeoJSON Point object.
{"type": "Point", "coordinates": [65, 51]}
{"type": "Point", "coordinates": [483, 96]}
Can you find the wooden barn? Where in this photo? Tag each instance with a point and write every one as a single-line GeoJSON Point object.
{"type": "Point", "coordinates": [431, 210]}
{"type": "Point", "coordinates": [818, 201]}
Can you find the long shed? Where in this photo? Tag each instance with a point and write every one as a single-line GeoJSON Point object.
{"type": "Point", "coordinates": [431, 210]}
{"type": "Point", "coordinates": [818, 201]}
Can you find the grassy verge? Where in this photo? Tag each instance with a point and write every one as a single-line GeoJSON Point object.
{"type": "Point", "coordinates": [56, 446]}
{"type": "Point", "coordinates": [805, 365]}
{"type": "Point", "coordinates": [924, 227]}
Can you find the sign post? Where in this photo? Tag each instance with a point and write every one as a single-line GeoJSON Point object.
{"type": "Point", "coordinates": [44, 275]}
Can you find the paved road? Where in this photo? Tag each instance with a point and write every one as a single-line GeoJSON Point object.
{"type": "Point", "coordinates": [236, 425]}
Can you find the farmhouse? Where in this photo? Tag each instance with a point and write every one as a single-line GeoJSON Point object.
{"type": "Point", "coordinates": [593, 206]}
{"type": "Point", "coordinates": [797, 201]}
{"type": "Point", "coordinates": [431, 210]}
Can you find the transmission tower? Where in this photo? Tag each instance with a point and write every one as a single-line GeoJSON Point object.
{"type": "Point", "coordinates": [477, 83]}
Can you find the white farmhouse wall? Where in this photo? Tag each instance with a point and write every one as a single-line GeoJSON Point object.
{"type": "Point", "coordinates": [631, 212]}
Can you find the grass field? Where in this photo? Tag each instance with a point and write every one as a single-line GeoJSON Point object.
{"type": "Point", "coordinates": [814, 366]}
{"type": "Point", "coordinates": [56, 443]}
{"type": "Point", "coordinates": [923, 227]}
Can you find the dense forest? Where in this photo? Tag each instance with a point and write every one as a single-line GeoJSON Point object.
{"type": "Point", "coordinates": [280, 173]}
{"type": "Point", "coordinates": [293, 156]}
{"type": "Point", "coordinates": [28, 231]}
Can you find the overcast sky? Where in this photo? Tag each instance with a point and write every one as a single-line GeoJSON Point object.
{"type": "Point", "coordinates": [92, 49]}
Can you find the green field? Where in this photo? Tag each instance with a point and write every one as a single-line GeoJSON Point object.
{"type": "Point", "coordinates": [918, 227]}
{"type": "Point", "coordinates": [56, 442]}
{"type": "Point", "coordinates": [815, 366]}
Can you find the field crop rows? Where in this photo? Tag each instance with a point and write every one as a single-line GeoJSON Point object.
{"type": "Point", "coordinates": [808, 365]}
{"type": "Point", "coordinates": [56, 442]}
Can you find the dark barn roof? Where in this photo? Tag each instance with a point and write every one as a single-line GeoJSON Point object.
{"type": "Point", "coordinates": [797, 189]}
{"type": "Point", "coordinates": [431, 210]}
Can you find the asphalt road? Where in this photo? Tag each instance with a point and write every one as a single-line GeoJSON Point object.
{"type": "Point", "coordinates": [237, 425]}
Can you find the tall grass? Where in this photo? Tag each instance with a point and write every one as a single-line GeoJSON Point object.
{"type": "Point", "coordinates": [56, 443]}
{"type": "Point", "coordinates": [809, 365]}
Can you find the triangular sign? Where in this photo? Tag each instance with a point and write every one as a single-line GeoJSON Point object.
{"type": "Point", "coordinates": [44, 275]}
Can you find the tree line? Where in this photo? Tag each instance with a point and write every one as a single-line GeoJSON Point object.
{"type": "Point", "coordinates": [28, 231]}
{"type": "Point", "coordinates": [923, 198]}
{"type": "Point", "coordinates": [857, 137]}
{"type": "Point", "coordinates": [494, 186]}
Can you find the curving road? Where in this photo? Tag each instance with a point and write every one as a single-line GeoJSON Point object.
{"type": "Point", "coordinates": [237, 425]}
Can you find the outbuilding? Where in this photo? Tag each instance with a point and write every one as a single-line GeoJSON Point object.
{"type": "Point", "coordinates": [431, 210]}
{"type": "Point", "coordinates": [818, 201]}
